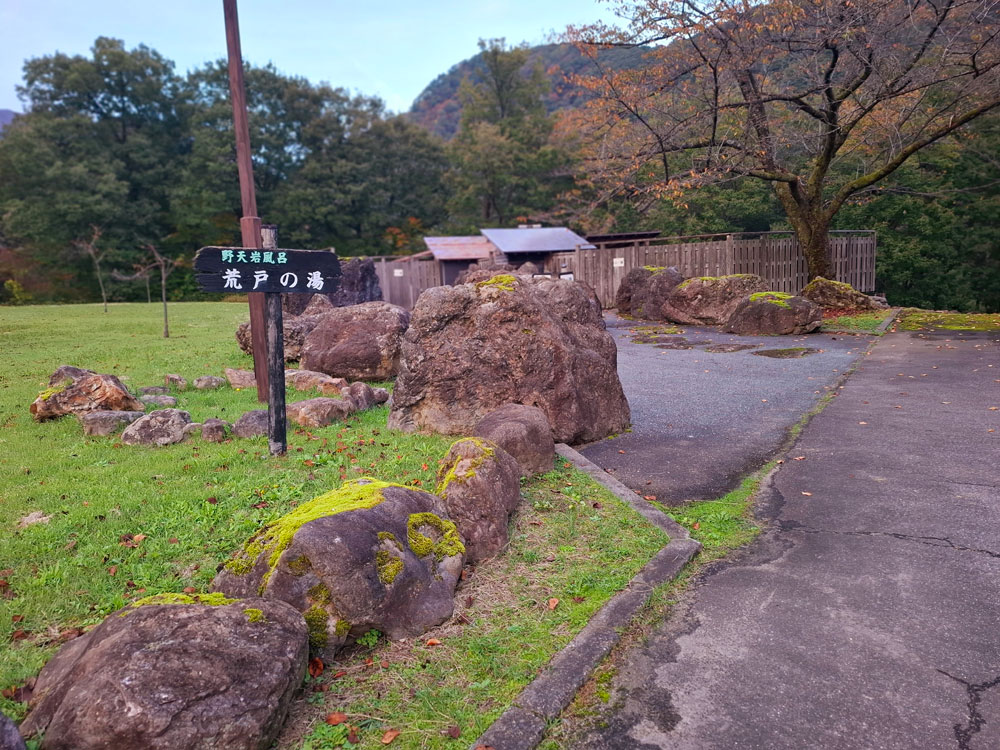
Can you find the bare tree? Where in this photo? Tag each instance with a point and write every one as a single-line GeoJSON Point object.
{"type": "Point", "coordinates": [166, 266]}
{"type": "Point", "coordinates": [820, 98]}
{"type": "Point", "coordinates": [96, 256]}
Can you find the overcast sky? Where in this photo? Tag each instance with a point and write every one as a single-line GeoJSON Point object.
{"type": "Point", "coordinates": [392, 48]}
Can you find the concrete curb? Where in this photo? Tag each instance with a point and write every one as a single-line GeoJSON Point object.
{"type": "Point", "coordinates": [889, 320]}
{"type": "Point", "coordinates": [522, 726]}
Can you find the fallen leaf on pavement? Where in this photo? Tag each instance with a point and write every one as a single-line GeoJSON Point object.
{"type": "Point", "coordinates": [799, 458]}
{"type": "Point", "coordinates": [807, 494]}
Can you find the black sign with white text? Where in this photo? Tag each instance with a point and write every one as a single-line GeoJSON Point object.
{"type": "Point", "coordinates": [238, 270]}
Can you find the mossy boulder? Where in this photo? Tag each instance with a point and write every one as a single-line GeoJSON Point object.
{"type": "Point", "coordinates": [480, 484]}
{"type": "Point", "coordinates": [836, 295]}
{"type": "Point", "coordinates": [710, 300]}
{"type": "Point", "coordinates": [369, 555]}
{"type": "Point", "coordinates": [511, 339]}
{"type": "Point", "coordinates": [643, 291]}
{"type": "Point", "coordinates": [774, 314]}
{"type": "Point", "coordinates": [174, 672]}
{"type": "Point", "coordinates": [94, 392]}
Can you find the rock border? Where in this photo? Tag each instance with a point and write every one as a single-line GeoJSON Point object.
{"type": "Point", "coordinates": [522, 726]}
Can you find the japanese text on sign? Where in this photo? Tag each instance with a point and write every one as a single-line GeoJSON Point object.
{"type": "Point", "coordinates": [224, 269]}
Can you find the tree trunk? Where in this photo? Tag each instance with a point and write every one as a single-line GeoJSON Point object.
{"type": "Point", "coordinates": [812, 229]}
{"type": "Point", "coordinates": [163, 293]}
{"type": "Point", "coordinates": [149, 297]}
{"type": "Point", "coordinates": [97, 270]}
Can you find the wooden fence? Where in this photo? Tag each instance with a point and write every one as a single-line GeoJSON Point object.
{"type": "Point", "coordinates": [773, 255]}
{"type": "Point", "coordinates": [402, 281]}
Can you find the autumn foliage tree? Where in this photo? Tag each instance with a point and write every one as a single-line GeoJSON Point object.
{"type": "Point", "coordinates": [822, 99]}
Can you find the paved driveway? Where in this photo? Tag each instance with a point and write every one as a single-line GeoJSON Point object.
{"type": "Point", "coordinates": [700, 419]}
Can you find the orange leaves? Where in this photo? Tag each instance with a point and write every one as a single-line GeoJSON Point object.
{"type": "Point", "coordinates": [336, 718]}
{"type": "Point", "coordinates": [315, 667]}
{"type": "Point", "coordinates": [389, 736]}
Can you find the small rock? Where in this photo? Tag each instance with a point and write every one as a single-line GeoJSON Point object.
{"type": "Point", "coordinates": [159, 400]}
{"type": "Point", "coordinates": [240, 378]}
{"type": "Point", "coordinates": [209, 382]}
{"type": "Point", "coordinates": [87, 393]}
{"type": "Point", "coordinates": [161, 427]}
{"type": "Point", "coordinates": [481, 486]}
{"type": "Point", "coordinates": [361, 395]}
{"type": "Point", "coordinates": [215, 430]}
{"type": "Point", "coordinates": [175, 381]}
{"type": "Point", "coordinates": [154, 390]}
{"type": "Point", "coordinates": [307, 380]}
{"type": "Point", "coordinates": [107, 422]}
{"type": "Point", "coordinates": [524, 433]}
{"type": "Point", "coordinates": [251, 424]}
{"type": "Point", "coordinates": [66, 374]}
{"type": "Point", "coordinates": [174, 675]}
{"type": "Point", "coordinates": [319, 412]}
{"type": "Point", "coordinates": [191, 429]}
{"type": "Point", "coordinates": [381, 395]}
{"type": "Point", "coordinates": [10, 738]}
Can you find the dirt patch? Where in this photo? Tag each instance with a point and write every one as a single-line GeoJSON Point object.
{"type": "Point", "coordinates": [730, 348]}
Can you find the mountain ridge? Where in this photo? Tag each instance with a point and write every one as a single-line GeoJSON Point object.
{"type": "Point", "coordinates": [438, 109]}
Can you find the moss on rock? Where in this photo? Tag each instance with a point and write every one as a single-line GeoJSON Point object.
{"type": "Point", "coordinates": [274, 538]}
{"type": "Point", "coordinates": [254, 615]}
{"type": "Point", "coordinates": [448, 543]}
{"type": "Point", "coordinates": [487, 451]}
{"type": "Point", "coordinates": [316, 618]}
{"type": "Point", "coordinates": [504, 282]}
{"type": "Point", "coordinates": [50, 392]}
{"type": "Point", "coordinates": [775, 298]}
{"type": "Point", "coordinates": [210, 600]}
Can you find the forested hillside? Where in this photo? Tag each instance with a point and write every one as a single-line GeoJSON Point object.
{"type": "Point", "coordinates": [439, 109]}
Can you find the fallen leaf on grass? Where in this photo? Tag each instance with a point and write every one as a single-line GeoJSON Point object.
{"type": "Point", "coordinates": [384, 664]}
{"type": "Point", "coordinates": [338, 675]}
{"type": "Point", "coordinates": [336, 718]}
{"type": "Point", "coordinates": [315, 667]}
{"type": "Point", "coordinates": [189, 589]}
{"type": "Point", "coordinates": [696, 525]}
{"type": "Point", "coordinates": [433, 642]}
{"type": "Point", "coordinates": [649, 497]}
{"type": "Point", "coordinates": [453, 732]}
{"type": "Point", "coordinates": [113, 570]}
{"type": "Point", "coordinates": [389, 736]}
{"type": "Point", "coordinates": [352, 736]}
{"type": "Point", "coordinates": [553, 603]}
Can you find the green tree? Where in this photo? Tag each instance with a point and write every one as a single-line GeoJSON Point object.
{"type": "Point", "coordinates": [505, 164]}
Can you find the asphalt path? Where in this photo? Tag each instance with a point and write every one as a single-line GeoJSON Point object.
{"type": "Point", "coordinates": [701, 420]}
{"type": "Point", "coordinates": [867, 615]}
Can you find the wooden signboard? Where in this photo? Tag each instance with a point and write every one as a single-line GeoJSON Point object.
{"type": "Point", "coordinates": [273, 272]}
{"type": "Point", "coordinates": [236, 270]}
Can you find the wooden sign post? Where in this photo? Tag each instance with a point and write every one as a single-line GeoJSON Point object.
{"type": "Point", "coordinates": [264, 273]}
{"type": "Point", "coordinates": [270, 272]}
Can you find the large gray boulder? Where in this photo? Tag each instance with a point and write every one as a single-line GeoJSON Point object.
{"type": "Point", "coordinates": [480, 484]}
{"type": "Point", "coordinates": [251, 424]}
{"type": "Point", "coordinates": [836, 295]}
{"type": "Point", "coordinates": [360, 342]}
{"type": "Point", "coordinates": [774, 314]}
{"type": "Point", "coordinates": [644, 290]}
{"type": "Point", "coordinates": [523, 432]}
{"type": "Point", "coordinates": [709, 300]}
{"type": "Point", "coordinates": [510, 339]}
{"type": "Point", "coordinates": [174, 674]}
{"type": "Point", "coordinates": [369, 555]}
{"type": "Point", "coordinates": [358, 283]}
{"type": "Point", "coordinates": [86, 393]}
{"type": "Point", "coordinates": [161, 427]}
{"type": "Point", "coordinates": [319, 412]}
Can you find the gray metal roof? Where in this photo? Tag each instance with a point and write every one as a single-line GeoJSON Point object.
{"type": "Point", "coordinates": [535, 240]}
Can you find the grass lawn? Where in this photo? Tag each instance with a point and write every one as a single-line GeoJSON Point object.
{"type": "Point", "coordinates": [195, 502]}
{"type": "Point", "coordinates": [859, 323]}
{"type": "Point", "coordinates": [912, 319]}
